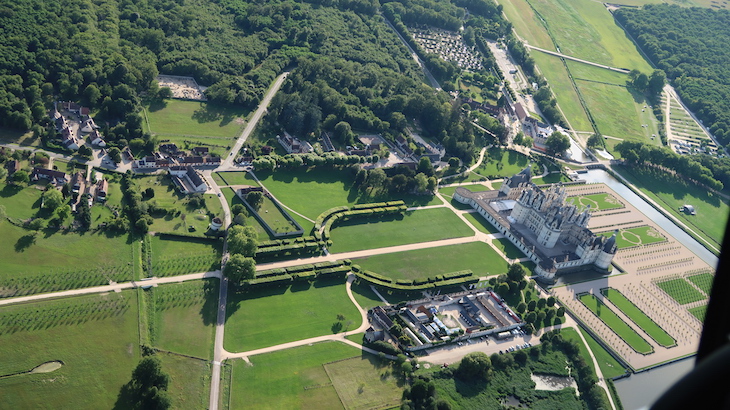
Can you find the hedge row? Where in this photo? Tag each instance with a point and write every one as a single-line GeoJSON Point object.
{"type": "Point", "coordinates": [384, 208]}
{"type": "Point", "coordinates": [285, 276]}
{"type": "Point", "coordinates": [326, 214]}
{"type": "Point", "coordinates": [282, 242]}
{"type": "Point", "coordinates": [449, 279]}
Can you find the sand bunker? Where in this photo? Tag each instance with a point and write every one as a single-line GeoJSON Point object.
{"type": "Point", "coordinates": [47, 367]}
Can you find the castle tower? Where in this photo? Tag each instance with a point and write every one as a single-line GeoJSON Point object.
{"type": "Point", "coordinates": [608, 252]}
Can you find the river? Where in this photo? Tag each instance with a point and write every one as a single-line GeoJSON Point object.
{"type": "Point", "coordinates": [642, 389]}
{"type": "Point", "coordinates": [599, 175]}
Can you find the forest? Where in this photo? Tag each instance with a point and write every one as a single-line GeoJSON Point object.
{"type": "Point", "coordinates": [347, 64]}
{"type": "Point", "coordinates": [690, 46]}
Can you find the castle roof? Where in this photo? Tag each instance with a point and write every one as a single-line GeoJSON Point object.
{"type": "Point", "coordinates": [610, 246]}
{"type": "Point", "coordinates": [524, 176]}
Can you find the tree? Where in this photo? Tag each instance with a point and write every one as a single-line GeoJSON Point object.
{"type": "Point", "coordinates": [521, 357]}
{"type": "Point", "coordinates": [531, 305]}
{"type": "Point", "coordinates": [521, 308]}
{"type": "Point", "coordinates": [475, 365]}
{"type": "Point", "coordinates": [62, 213]}
{"type": "Point", "coordinates": [343, 133]}
{"type": "Point", "coordinates": [454, 163]}
{"type": "Point", "coordinates": [149, 385]}
{"type": "Point", "coordinates": [557, 143]}
{"type": "Point", "coordinates": [595, 141]}
{"type": "Point", "coordinates": [551, 301]}
{"type": "Point", "coordinates": [561, 311]}
{"type": "Point", "coordinates": [425, 166]}
{"type": "Point", "coordinates": [149, 193]}
{"type": "Point", "coordinates": [531, 317]}
{"type": "Point", "coordinates": [541, 303]}
{"type": "Point", "coordinates": [52, 199]}
{"type": "Point", "coordinates": [421, 183]}
{"type": "Point", "coordinates": [239, 268]}
{"type": "Point", "coordinates": [164, 92]}
{"type": "Point", "coordinates": [516, 272]}
{"type": "Point", "coordinates": [242, 240]}
{"type": "Point", "coordinates": [115, 154]}
{"type": "Point", "coordinates": [21, 177]}
{"type": "Point", "coordinates": [657, 79]}
{"type": "Point", "coordinates": [141, 225]}
{"type": "Point", "coordinates": [255, 199]}
{"type": "Point", "coordinates": [238, 209]}
{"type": "Point", "coordinates": [37, 224]}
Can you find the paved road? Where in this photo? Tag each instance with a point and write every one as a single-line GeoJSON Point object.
{"type": "Point", "coordinates": [111, 288]}
{"type": "Point", "coordinates": [554, 53]}
{"type": "Point", "coordinates": [218, 351]}
{"type": "Point", "coordinates": [228, 162]}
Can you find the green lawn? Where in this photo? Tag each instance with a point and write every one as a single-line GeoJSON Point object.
{"type": "Point", "coordinates": [37, 263]}
{"type": "Point", "coordinates": [191, 118]}
{"type": "Point", "coordinates": [273, 216]}
{"type": "Point", "coordinates": [289, 379]}
{"type": "Point", "coordinates": [681, 291]}
{"type": "Point", "coordinates": [610, 367]}
{"type": "Point", "coordinates": [673, 193]}
{"type": "Point", "coordinates": [99, 350]}
{"type": "Point", "coordinates": [311, 192]}
{"type": "Point", "coordinates": [480, 223]}
{"type": "Point", "coordinates": [621, 328]}
{"type": "Point", "coordinates": [597, 202]}
{"type": "Point", "coordinates": [365, 296]}
{"type": "Point", "coordinates": [703, 281]}
{"type": "Point", "coordinates": [640, 235]}
{"type": "Point", "coordinates": [236, 178]}
{"type": "Point", "coordinates": [178, 256]}
{"type": "Point", "coordinates": [412, 227]}
{"type": "Point", "coordinates": [233, 199]}
{"type": "Point", "coordinates": [504, 163]}
{"type": "Point", "coordinates": [699, 312]}
{"type": "Point", "coordinates": [189, 381]}
{"type": "Point", "coordinates": [639, 317]}
{"type": "Point", "coordinates": [476, 256]}
{"type": "Point", "coordinates": [526, 23]}
{"type": "Point", "coordinates": [508, 248]}
{"type": "Point", "coordinates": [269, 317]}
{"type": "Point", "coordinates": [364, 382]}
{"type": "Point", "coordinates": [449, 191]}
{"type": "Point", "coordinates": [22, 203]}
{"type": "Point", "coordinates": [185, 316]}
{"type": "Point", "coordinates": [557, 76]}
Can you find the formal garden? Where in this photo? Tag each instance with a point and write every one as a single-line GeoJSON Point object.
{"type": "Point", "coordinates": [615, 323]}
{"type": "Point", "coordinates": [680, 290]}
{"type": "Point", "coordinates": [639, 318]}
{"type": "Point", "coordinates": [636, 236]}
{"type": "Point", "coordinates": [596, 202]}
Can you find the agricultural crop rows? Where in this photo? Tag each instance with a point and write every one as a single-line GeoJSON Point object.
{"type": "Point", "coordinates": [58, 281]}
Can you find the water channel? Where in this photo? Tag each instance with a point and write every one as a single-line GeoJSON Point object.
{"type": "Point", "coordinates": [642, 389]}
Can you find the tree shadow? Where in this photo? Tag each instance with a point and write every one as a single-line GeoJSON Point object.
{"type": "Point", "coordinates": [211, 112]}
{"type": "Point", "coordinates": [157, 104]}
{"type": "Point", "coordinates": [127, 397]}
{"type": "Point", "coordinates": [25, 242]}
{"type": "Point", "coordinates": [209, 310]}
{"type": "Point", "coordinates": [10, 190]}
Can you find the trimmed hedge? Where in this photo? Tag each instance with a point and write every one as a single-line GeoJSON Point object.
{"type": "Point", "coordinates": [464, 277]}
{"type": "Point", "coordinates": [308, 272]}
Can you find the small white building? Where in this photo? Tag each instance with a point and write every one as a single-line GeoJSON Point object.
{"type": "Point", "coordinates": [188, 180]}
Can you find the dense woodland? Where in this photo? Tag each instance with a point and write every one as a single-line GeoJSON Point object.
{"type": "Point", "coordinates": [347, 64]}
{"type": "Point", "coordinates": [691, 46]}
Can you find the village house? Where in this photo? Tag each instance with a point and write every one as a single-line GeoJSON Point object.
{"type": "Point", "coordinates": [12, 167]}
{"type": "Point", "coordinates": [102, 189]}
{"type": "Point", "coordinates": [188, 180]}
{"type": "Point", "coordinates": [293, 145]}
{"type": "Point", "coordinates": [78, 183]}
{"type": "Point", "coordinates": [55, 177]}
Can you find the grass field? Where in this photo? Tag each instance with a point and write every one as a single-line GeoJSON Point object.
{"type": "Point", "coordinates": [597, 202]}
{"type": "Point", "coordinates": [610, 367]}
{"type": "Point", "coordinates": [99, 351]}
{"type": "Point", "coordinates": [639, 317]}
{"type": "Point", "coordinates": [557, 76]}
{"type": "Point", "coordinates": [185, 315]}
{"type": "Point", "coordinates": [365, 383]}
{"type": "Point", "coordinates": [640, 235]}
{"type": "Point", "coordinates": [365, 296]}
{"type": "Point", "coordinates": [269, 317]}
{"type": "Point", "coordinates": [508, 248]}
{"type": "Point", "coordinates": [192, 118]}
{"type": "Point", "coordinates": [235, 178]}
{"type": "Point", "coordinates": [703, 281]}
{"type": "Point", "coordinates": [189, 381]}
{"type": "Point", "coordinates": [476, 256]}
{"type": "Point", "coordinates": [173, 256]}
{"type": "Point", "coordinates": [273, 216]}
{"type": "Point", "coordinates": [504, 163]}
{"type": "Point", "coordinates": [672, 193]}
{"type": "Point", "coordinates": [416, 226]}
{"type": "Point", "coordinates": [480, 223]}
{"type": "Point", "coordinates": [622, 329]}
{"type": "Point", "coordinates": [681, 291]}
{"type": "Point", "coordinates": [449, 191]}
{"type": "Point", "coordinates": [289, 379]}
{"type": "Point", "coordinates": [22, 203]}
{"type": "Point", "coordinates": [233, 199]}
{"type": "Point", "coordinates": [316, 190]}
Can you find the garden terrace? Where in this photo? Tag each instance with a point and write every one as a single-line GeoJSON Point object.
{"type": "Point", "coordinates": [615, 323]}
{"type": "Point", "coordinates": [635, 236]}
{"type": "Point", "coordinates": [641, 319]}
{"type": "Point", "coordinates": [680, 290]}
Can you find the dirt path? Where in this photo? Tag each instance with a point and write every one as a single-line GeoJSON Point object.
{"type": "Point", "coordinates": [567, 57]}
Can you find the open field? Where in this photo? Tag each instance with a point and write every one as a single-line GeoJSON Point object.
{"type": "Point", "coordinates": [610, 367]}
{"type": "Point", "coordinates": [557, 76]}
{"type": "Point", "coordinates": [507, 248]}
{"type": "Point", "coordinates": [185, 315]}
{"type": "Point", "coordinates": [504, 163]}
{"type": "Point", "coordinates": [233, 199]}
{"type": "Point", "coordinates": [22, 203]}
{"type": "Point", "coordinates": [98, 345]}
{"type": "Point", "coordinates": [289, 379]}
{"type": "Point", "coordinates": [193, 118]}
{"type": "Point", "coordinates": [19, 137]}
{"type": "Point", "coordinates": [681, 291]}
{"type": "Point", "coordinates": [269, 317]}
{"type": "Point", "coordinates": [189, 381]}
{"type": "Point", "coordinates": [177, 256]}
{"type": "Point", "coordinates": [639, 317]}
{"type": "Point", "coordinates": [273, 216]}
{"type": "Point", "coordinates": [364, 382]}
{"type": "Point", "coordinates": [316, 190]}
{"type": "Point", "coordinates": [423, 263]}
{"type": "Point", "coordinates": [622, 329]}
{"type": "Point", "coordinates": [703, 281]}
{"type": "Point", "coordinates": [52, 252]}
{"type": "Point", "coordinates": [672, 193]}
{"type": "Point", "coordinates": [526, 23]}
{"type": "Point", "coordinates": [480, 223]}
{"type": "Point", "coordinates": [640, 235]}
{"type": "Point", "coordinates": [597, 202]}
{"type": "Point", "coordinates": [365, 296]}
{"type": "Point", "coordinates": [235, 178]}
{"type": "Point", "coordinates": [413, 227]}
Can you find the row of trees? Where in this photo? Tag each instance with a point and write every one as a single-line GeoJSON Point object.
{"type": "Point", "coordinates": [692, 167]}
{"type": "Point", "coordinates": [689, 45]}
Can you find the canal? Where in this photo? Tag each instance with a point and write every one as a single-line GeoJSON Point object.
{"type": "Point", "coordinates": [642, 389]}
